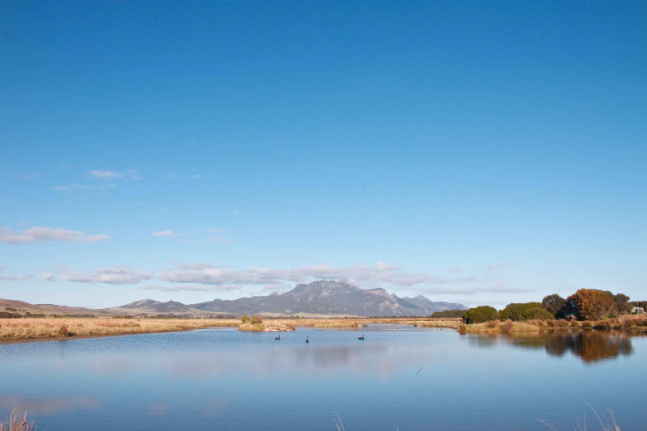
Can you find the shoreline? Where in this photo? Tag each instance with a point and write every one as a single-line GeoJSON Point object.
{"type": "Point", "coordinates": [50, 329]}
{"type": "Point", "coordinates": [85, 337]}
{"type": "Point", "coordinates": [42, 330]}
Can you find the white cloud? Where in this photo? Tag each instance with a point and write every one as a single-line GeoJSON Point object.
{"type": "Point", "coordinates": [167, 232]}
{"type": "Point", "coordinates": [48, 276]}
{"type": "Point", "coordinates": [13, 277]}
{"type": "Point", "coordinates": [114, 175]}
{"type": "Point", "coordinates": [360, 275]}
{"type": "Point", "coordinates": [106, 175]}
{"type": "Point", "coordinates": [193, 288]}
{"type": "Point", "coordinates": [383, 266]}
{"type": "Point", "coordinates": [217, 235]}
{"type": "Point", "coordinates": [381, 274]}
{"type": "Point", "coordinates": [29, 176]}
{"type": "Point", "coordinates": [218, 239]}
{"type": "Point", "coordinates": [498, 288]}
{"type": "Point", "coordinates": [41, 234]}
{"type": "Point", "coordinates": [133, 175]}
{"type": "Point", "coordinates": [216, 231]}
{"type": "Point", "coordinates": [76, 187]}
{"type": "Point", "coordinates": [71, 187]}
{"type": "Point", "coordinates": [109, 275]}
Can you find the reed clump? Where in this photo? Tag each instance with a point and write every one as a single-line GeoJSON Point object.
{"type": "Point", "coordinates": [63, 332]}
{"type": "Point", "coordinates": [462, 328]}
{"type": "Point", "coordinates": [498, 327]}
{"type": "Point", "coordinates": [259, 327]}
{"type": "Point", "coordinates": [17, 423]}
{"type": "Point", "coordinates": [506, 327]}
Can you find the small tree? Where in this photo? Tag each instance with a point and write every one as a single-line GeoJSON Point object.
{"type": "Point", "coordinates": [523, 312]}
{"type": "Point", "coordinates": [591, 304]}
{"type": "Point", "coordinates": [622, 303]}
{"type": "Point", "coordinates": [554, 304]}
{"type": "Point", "coordinates": [483, 313]}
{"type": "Point", "coordinates": [245, 318]}
{"type": "Point", "coordinates": [256, 319]}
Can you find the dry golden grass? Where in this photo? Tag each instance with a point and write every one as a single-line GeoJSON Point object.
{"type": "Point", "coordinates": [17, 423]}
{"type": "Point", "coordinates": [363, 322]}
{"type": "Point", "coordinates": [39, 329]}
{"type": "Point", "coordinates": [498, 327]}
{"type": "Point", "coordinates": [259, 327]}
{"type": "Point", "coordinates": [60, 328]}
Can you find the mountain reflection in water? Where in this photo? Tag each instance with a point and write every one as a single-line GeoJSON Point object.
{"type": "Point", "coordinates": [590, 346]}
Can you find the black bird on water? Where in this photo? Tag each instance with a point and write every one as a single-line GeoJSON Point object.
{"type": "Point", "coordinates": [307, 339]}
{"type": "Point", "coordinates": [361, 338]}
{"type": "Point", "coordinates": [278, 338]}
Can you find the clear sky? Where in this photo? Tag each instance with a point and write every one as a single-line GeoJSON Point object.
{"type": "Point", "coordinates": [477, 152]}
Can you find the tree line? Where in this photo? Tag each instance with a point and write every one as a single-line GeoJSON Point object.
{"type": "Point", "coordinates": [585, 304]}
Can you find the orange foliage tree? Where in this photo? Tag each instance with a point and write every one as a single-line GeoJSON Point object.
{"type": "Point", "coordinates": [591, 304]}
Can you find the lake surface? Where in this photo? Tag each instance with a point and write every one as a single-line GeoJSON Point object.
{"type": "Point", "coordinates": [229, 380]}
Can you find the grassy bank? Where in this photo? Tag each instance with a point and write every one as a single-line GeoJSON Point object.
{"type": "Point", "coordinates": [629, 322]}
{"type": "Point", "coordinates": [266, 327]}
{"type": "Point", "coordinates": [362, 322]}
{"type": "Point", "coordinates": [62, 328]}
{"type": "Point", "coordinates": [13, 330]}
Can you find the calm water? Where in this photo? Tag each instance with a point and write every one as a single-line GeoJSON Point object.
{"type": "Point", "coordinates": [226, 379]}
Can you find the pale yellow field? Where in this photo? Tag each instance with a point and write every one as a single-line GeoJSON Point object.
{"type": "Point", "coordinates": [33, 329]}
{"type": "Point", "coordinates": [58, 328]}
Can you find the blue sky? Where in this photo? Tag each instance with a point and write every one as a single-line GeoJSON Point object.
{"type": "Point", "coordinates": [476, 152]}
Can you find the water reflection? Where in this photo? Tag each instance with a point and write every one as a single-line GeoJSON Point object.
{"type": "Point", "coordinates": [227, 379]}
{"type": "Point", "coordinates": [35, 405]}
{"type": "Point", "coordinates": [590, 346]}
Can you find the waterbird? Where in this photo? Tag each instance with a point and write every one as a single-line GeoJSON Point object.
{"type": "Point", "coordinates": [278, 338]}
{"type": "Point", "coordinates": [307, 339]}
{"type": "Point", "coordinates": [361, 338]}
{"type": "Point", "coordinates": [418, 370]}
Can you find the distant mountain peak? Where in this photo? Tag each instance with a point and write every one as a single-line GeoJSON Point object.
{"type": "Point", "coordinates": [330, 297]}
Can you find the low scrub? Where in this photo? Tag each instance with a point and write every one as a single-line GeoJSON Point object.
{"type": "Point", "coordinates": [498, 327]}
{"type": "Point", "coordinates": [480, 314]}
{"type": "Point", "coordinates": [448, 314]}
{"type": "Point", "coordinates": [259, 327]}
{"type": "Point", "coordinates": [525, 311]}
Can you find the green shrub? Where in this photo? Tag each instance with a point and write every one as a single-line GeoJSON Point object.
{"type": "Point", "coordinates": [483, 313]}
{"type": "Point", "coordinates": [448, 314]}
{"type": "Point", "coordinates": [245, 318]}
{"type": "Point", "coordinates": [523, 312]}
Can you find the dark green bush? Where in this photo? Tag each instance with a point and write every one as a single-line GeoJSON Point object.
{"type": "Point", "coordinates": [483, 313]}
{"type": "Point", "coordinates": [448, 314]}
{"type": "Point", "coordinates": [525, 311]}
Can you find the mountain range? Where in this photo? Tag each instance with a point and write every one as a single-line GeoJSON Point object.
{"type": "Point", "coordinates": [319, 298]}
{"type": "Point", "coordinates": [325, 297]}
